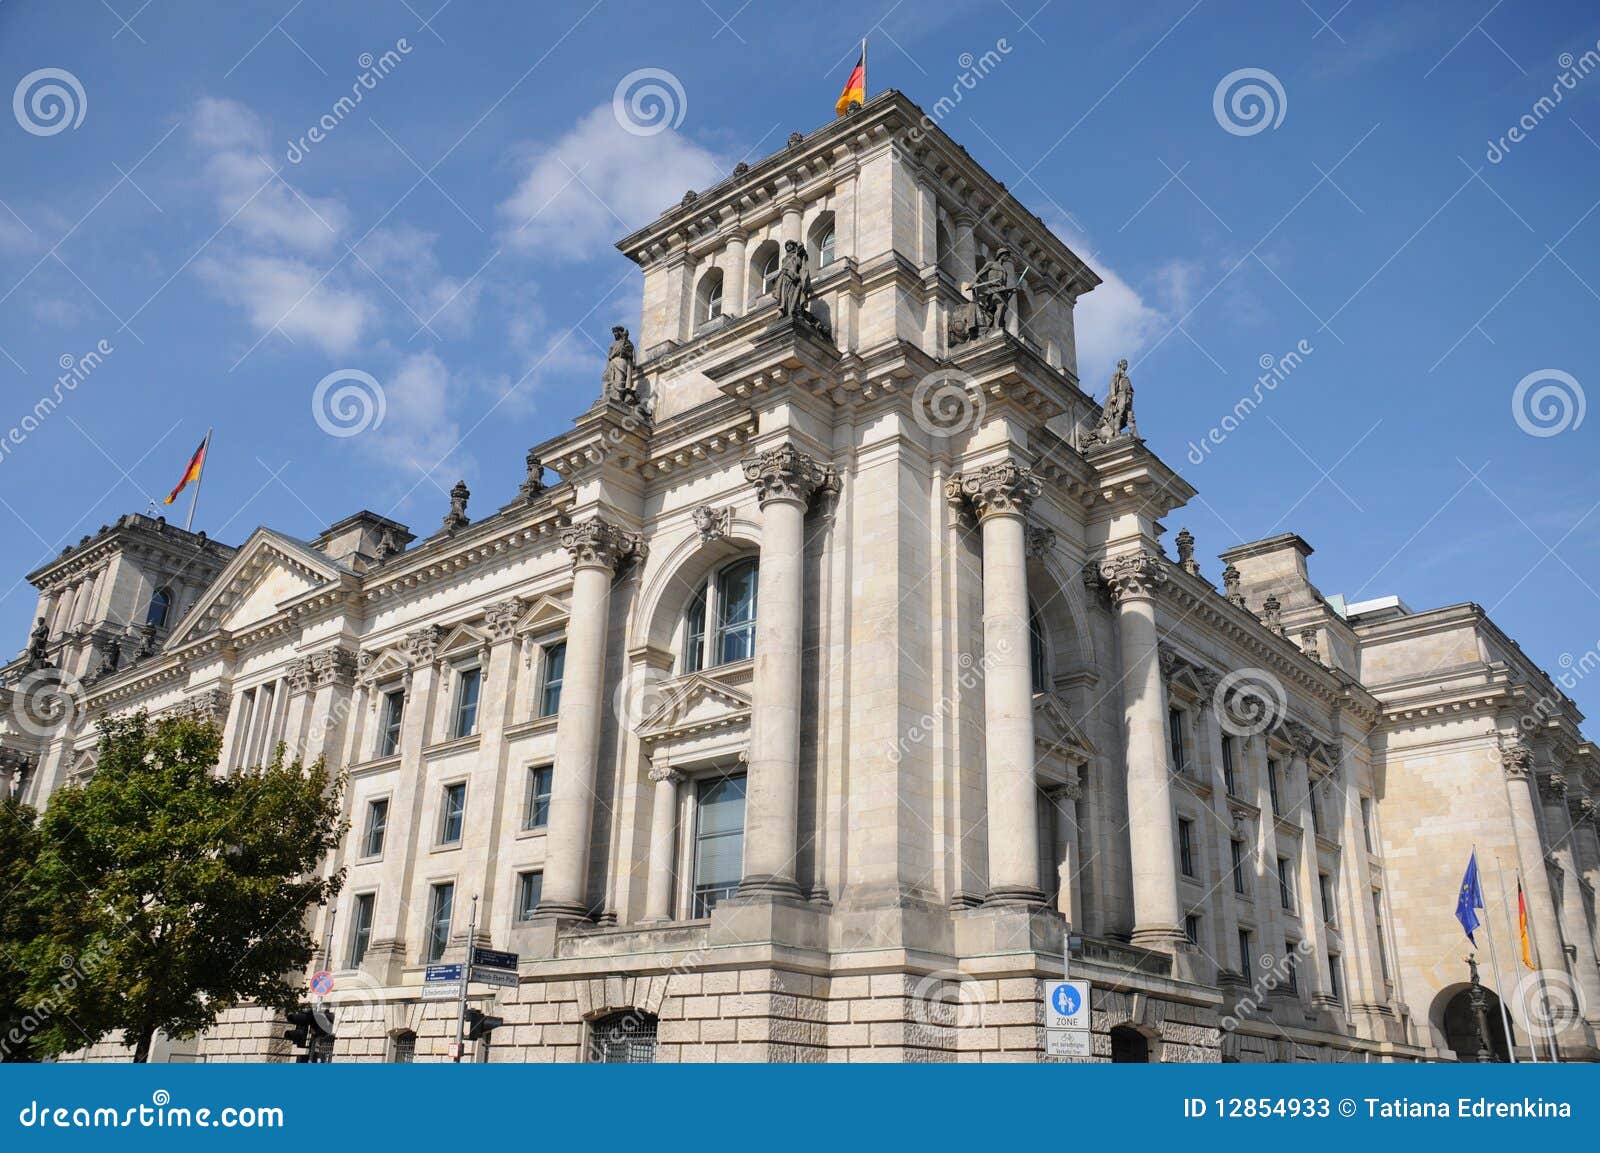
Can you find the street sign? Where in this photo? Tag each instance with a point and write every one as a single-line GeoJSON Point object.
{"type": "Point", "coordinates": [442, 973]}
{"type": "Point", "coordinates": [322, 982]}
{"type": "Point", "coordinates": [493, 959]}
{"type": "Point", "coordinates": [1066, 1005]}
{"type": "Point", "coordinates": [441, 990]}
{"type": "Point", "coordinates": [495, 977]}
{"type": "Point", "coordinates": [1066, 1043]}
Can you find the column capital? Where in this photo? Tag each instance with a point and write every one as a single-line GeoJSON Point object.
{"type": "Point", "coordinates": [1581, 808]}
{"type": "Point", "coordinates": [500, 618]}
{"type": "Point", "coordinates": [1004, 489]}
{"type": "Point", "coordinates": [298, 675]}
{"type": "Point", "coordinates": [1516, 757]}
{"type": "Point", "coordinates": [660, 773]}
{"type": "Point", "coordinates": [1132, 576]}
{"type": "Point", "coordinates": [1553, 787]}
{"type": "Point", "coordinates": [786, 474]}
{"type": "Point", "coordinates": [336, 666]}
{"type": "Point", "coordinates": [423, 643]}
{"type": "Point", "coordinates": [597, 543]}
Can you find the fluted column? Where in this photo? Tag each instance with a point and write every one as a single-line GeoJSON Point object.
{"type": "Point", "coordinates": [1517, 759]}
{"type": "Point", "coordinates": [1157, 913]}
{"type": "Point", "coordinates": [785, 479]}
{"type": "Point", "coordinates": [663, 819]}
{"type": "Point", "coordinates": [1588, 843]}
{"type": "Point", "coordinates": [1000, 495]}
{"type": "Point", "coordinates": [597, 547]}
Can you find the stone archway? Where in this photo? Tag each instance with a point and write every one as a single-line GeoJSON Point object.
{"type": "Point", "coordinates": [1129, 1045]}
{"type": "Point", "coordinates": [1458, 1022]}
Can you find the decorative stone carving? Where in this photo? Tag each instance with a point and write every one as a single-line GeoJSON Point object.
{"type": "Point", "coordinates": [966, 318]}
{"type": "Point", "coordinates": [795, 138]}
{"type": "Point", "coordinates": [1004, 489]}
{"type": "Point", "coordinates": [994, 289]}
{"type": "Point", "coordinates": [1040, 540]}
{"type": "Point", "coordinates": [1135, 574]}
{"type": "Point", "coordinates": [620, 379]}
{"type": "Point", "coordinates": [333, 667]}
{"type": "Point", "coordinates": [456, 518]}
{"type": "Point", "coordinates": [1301, 739]}
{"type": "Point", "coordinates": [1581, 808]}
{"type": "Point", "coordinates": [1186, 561]}
{"type": "Point", "coordinates": [209, 707]}
{"type": "Point", "coordinates": [1271, 613]}
{"type": "Point", "coordinates": [298, 675]}
{"type": "Point", "coordinates": [689, 198]}
{"type": "Point", "coordinates": [500, 618]}
{"type": "Point", "coordinates": [1117, 415]}
{"type": "Point", "coordinates": [38, 642]}
{"type": "Point", "coordinates": [1067, 791]}
{"type": "Point", "coordinates": [793, 287]}
{"type": "Point", "coordinates": [1516, 758]}
{"type": "Point", "coordinates": [387, 546]}
{"type": "Point", "coordinates": [786, 473]}
{"type": "Point", "coordinates": [423, 644]}
{"type": "Point", "coordinates": [534, 484]}
{"type": "Point", "coordinates": [1230, 586]}
{"type": "Point", "coordinates": [1308, 644]}
{"type": "Point", "coordinates": [659, 773]}
{"type": "Point", "coordinates": [712, 523]}
{"type": "Point", "coordinates": [600, 543]}
{"type": "Point", "coordinates": [1553, 787]}
{"type": "Point", "coordinates": [740, 168]}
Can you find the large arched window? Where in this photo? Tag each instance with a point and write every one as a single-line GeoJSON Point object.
{"type": "Point", "coordinates": [1038, 659]}
{"type": "Point", "coordinates": [764, 264]}
{"type": "Point", "coordinates": [719, 626]}
{"type": "Point", "coordinates": [708, 298]}
{"type": "Point", "coordinates": [944, 252]}
{"type": "Point", "coordinates": [160, 608]}
{"type": "Point", "coordinates": [822, 241]}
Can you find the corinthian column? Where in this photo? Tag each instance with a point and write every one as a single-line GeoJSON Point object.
{"type": "Point", "coordinates": [658, 896]}
{"type": "Point", "coordinates": [1132, 580]}
{"type": "Point", "coordinates": [1000, 495]}
{"type": "Point", "coordinates": [1517, 760]}
{"type": "Point", "coordinates": [597, 547]}
{"type": "Point", "coordinates": [785, 479]}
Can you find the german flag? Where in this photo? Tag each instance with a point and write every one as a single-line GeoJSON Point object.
{"type": "Point", "coordinates": [855, 89]}
{"type": "Point", "coordinates": [1522, 926]}
{"type": "Point", "coordinates": [197, 462]}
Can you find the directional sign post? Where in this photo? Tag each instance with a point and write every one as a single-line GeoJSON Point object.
{"type": "Point", "coordinates": [442, 973]}
{"type": "Point", "coordinates": [492, 959]}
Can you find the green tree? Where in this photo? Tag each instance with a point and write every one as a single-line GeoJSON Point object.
{"type": "Point", "coordinates": [19, 924]}
{"type": "Point", "coordinates": [173, 891]}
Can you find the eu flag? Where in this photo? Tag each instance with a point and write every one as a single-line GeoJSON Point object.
{"type": "Point", "coordinates": [1471, 899]}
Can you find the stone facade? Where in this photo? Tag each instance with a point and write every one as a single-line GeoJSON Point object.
{"type": "Point", "coordinates": [836, 671]}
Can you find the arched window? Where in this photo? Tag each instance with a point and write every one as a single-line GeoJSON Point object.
{"type": "Point", "coordinates": [625, 1038]}
{"type": "Point", "coordinates": [160, 608]}
{"type": "Point", "coordinates": [944, 252]}
{"type": "Point", "coordinates": [1038, 661]}
{"type": "Point", "coordinates": [709, 297]}
{"type": "Point", "coordinates": [765, 265]}
{"type": "Point", "coordinates": [727, 604]}
{"type": "Point", "coordinates": [403, 1049]}
{"type": "Point", "coordinates": [822, 241]}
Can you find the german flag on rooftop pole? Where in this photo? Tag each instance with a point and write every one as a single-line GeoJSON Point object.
{"type": "Point", "coordinates": [855, 89]}
{"type": "Point", "coordinates": [196, 466]}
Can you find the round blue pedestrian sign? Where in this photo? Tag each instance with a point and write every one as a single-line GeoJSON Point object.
{"type": "Point", "coordinates": [1066, 1000]}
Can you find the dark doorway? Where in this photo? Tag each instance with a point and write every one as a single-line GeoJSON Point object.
{"type": "Point", "coordinates": [1461, 1026]}
{"type": "Point", "coordinates": [1128, 1044]}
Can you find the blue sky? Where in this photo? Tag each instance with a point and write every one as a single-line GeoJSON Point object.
{"type": "Point", "coordinates": [452, 237]}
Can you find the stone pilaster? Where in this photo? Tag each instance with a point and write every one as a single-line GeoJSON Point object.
{"type": "Point", "coordinates": [663, 823]}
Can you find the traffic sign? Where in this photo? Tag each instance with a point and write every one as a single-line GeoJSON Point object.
{"type": "Point", "coordinates": [1066, 1005]}
{"type": "Point", "coordinates": [492, 959]}
{"type": "Point", "coordinates": [1067, 1043]}
{"type": "Point", "coordinates": [322, 982]}
{"type": "Point", "coordinates": [500, 977]}
{"type": "Point", "coordinates": [442, 973]}
{"type": "Point", "coordinates": [441, 991]}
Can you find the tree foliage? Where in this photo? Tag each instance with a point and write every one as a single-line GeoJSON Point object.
{"type": "Point", "coordinates": [19, 924]}
{"type": "Point", "coordinates": [171, 892]}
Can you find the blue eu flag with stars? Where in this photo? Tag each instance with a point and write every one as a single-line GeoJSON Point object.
{"type": "Point", "coordinates": [1471, 899]}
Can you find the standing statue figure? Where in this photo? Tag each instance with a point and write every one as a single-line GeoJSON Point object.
{"type": "Point", "coordinates": [793, 289]}
{"type": "Point", "coordinates": [1117, 416]}
{"type": "Point", "coordinates": [38, 640]}
{"type": "Point", "coordinates": [618, 378]}
{"type": "Point", "coordinates": [995, 287]}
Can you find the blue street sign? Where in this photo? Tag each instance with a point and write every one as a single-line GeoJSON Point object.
{"type": "Point", "coordinates": [442, 973]}
{"type": "Point", "coordinates": [1066, 1000]}
{"type": "Point", "coordinates": [1066, 1004]}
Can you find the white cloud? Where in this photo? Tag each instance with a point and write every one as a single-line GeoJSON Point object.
{"type": "Point", "coordinates": [406, 259]}
{"type": "Point", "coordinates": [285, 294]}
{"type": "Point", "coordinates": [599, 182]}
{"type": "Point", "coordinates": [417, 429]}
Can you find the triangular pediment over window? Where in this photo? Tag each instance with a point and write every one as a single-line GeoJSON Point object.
{"type": "Point", "coordinates": [1054, 728]}
{"type": "Point", "coordinates": [547, 614]}
{"type": "Point", "coordinates": [698, 704]}
{"type": "Point", "coordinates": [463, 640]}
{"type": "Point", "coordinates": [268, 572]}
{"type": "Point", "coordinates": [382, 666]}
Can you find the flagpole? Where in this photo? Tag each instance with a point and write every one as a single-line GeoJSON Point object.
{"type": "Point", "coordinates": [863, 70]}
{"type": "Point", "coordinates": [1494, 961]}
{"type": "Point", "coordinates": [194, 499]}
{"type": "Point", "coordinates": [1538, 972]}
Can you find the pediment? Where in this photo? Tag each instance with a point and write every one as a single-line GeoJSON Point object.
{"type": "Point", "coordinates": [699, 704]}
{"type": "Point", "coordinates": [1054, 727]}
{"type": "Point", "coordinates": [267, 572]}
{"type": "Point", "coordinates": [548, 613]}
{"type": "Point", "coordinates": [83, 766]}
{"type": "Point", "coordinates": [380, 666]}
{"type": "Point", "coordinates": [462, 640]}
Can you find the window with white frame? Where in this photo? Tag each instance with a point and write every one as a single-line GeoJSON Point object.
{"type": "Point", "coordinates": [1238, 850]}
{"type": "Point", "coordinates": [464, 713]}
{"type": "Point", "coordinates": [530, 887]}
{"type": "Point", "coordinates": [719, 626]}
{"type": "Point", "coordinates": [718, 841]}
{"type": "Point", "coordinates": [393, 714]}
{"type": "Point", "coordinates": [377, 827]}
{"type": "Point", "coordinates": [536, 804]}
{"type": "Point", "coordinates": [1186, 846]}
{"type": "Point", "coordinates": [360, 927]}
{"type": "Point", "coordinates": [441, 904]}
{"type": "Point", "coordinates": [554, 672]}
{"type": "Point", "coordinates": [452, 813]}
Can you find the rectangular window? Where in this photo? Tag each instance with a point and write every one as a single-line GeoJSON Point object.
{"type": "Point", "coordinates": [718, 841]}
{"type": "Point", "coordinates": [1246, 948]}
{"type": "Point", "coordinates": [536, 806]}
{"type": "Point", "coordinates": [1230, 780]}
{"type": "Point", "coordinates": [555, 668]}
{"type": "Point", "coordinates": [1272, 787]}
{"type": "Point", "coordinates": [1366, 822]}
{"type": "Point", "coordinates": [440, 906]}
{"type": "Point", "coordinates": [394, 709]}
{"type": "Point", "coordinates": [1175, 737]}
{"type": "Point", "coordinates": [1291, 966]}
{"type": "Point", "coordinates": [1313, 802]}
{"type": "Point", "coordinates": [1377, 920]}
{"type": "Point", "coordinates": [452, 811]}
{"type": "Point", "coordinates": [241, 734]}
{"type": "Point", "coordinates": [377, 827]}
{"type": "Point", "coordinates": [530, 886]}
{"type": "Point", "coordinates": [360, 928]}
{"type": "Point", "coordinates": [468, 681]}
{"type": "Point", "coordinates": [1186, 846]}
{"type": "Point", "coordinates": [1191, 928]}
{"type": "Point", "coordinates": [1336, 976]}
{"type": "Point", "coordinates": [1285, 885]}
{"type": "Point", "coordinates": [1325, 891]}
{"type": "Point", "coordinates": [1239, 885]}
